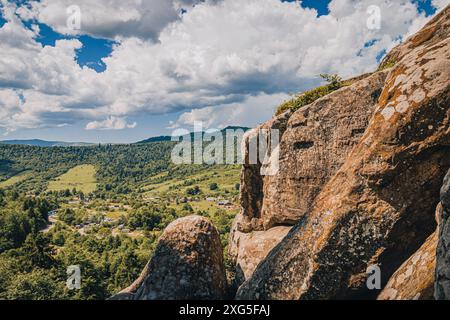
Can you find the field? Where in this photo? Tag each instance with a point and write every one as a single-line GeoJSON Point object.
{"type": "Point", "coordinates": [80, 177]}
{"type": "Point", "coordinates": [226, 178]}
{"type": "Point", "coordinates": [16, 179]}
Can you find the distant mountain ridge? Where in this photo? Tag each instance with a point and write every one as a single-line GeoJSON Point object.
{"type": "Point", "coordinates": [169, 138]}
{"type": "Point", "coordinates": [43, 143]}
{"type": "Point", "coordinates": [49, 144]}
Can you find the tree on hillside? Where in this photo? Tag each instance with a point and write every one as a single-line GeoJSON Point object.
{"type": "Point", "coordinates": [213, 186]}
{"type": "Point", "coordinates": [334, 80]}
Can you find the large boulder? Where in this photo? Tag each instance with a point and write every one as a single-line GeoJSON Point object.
{"type": "Point", "coordinates": [378, 209]}
{"type": "Point", "coordinates": [318, 140]}
{"type": "Point", "coordinates": [414, 280]}
{"type": "Point", "coordinates": [442, 287]}
{"type": "Point", "coordinates": [315, 141]}
{"type": "Point", "coordinates": [187, 265]}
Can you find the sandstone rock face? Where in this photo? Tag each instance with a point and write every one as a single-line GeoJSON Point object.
{"type": "Point", "coordinates": [315, 142]}
{"type": "Point", "coordinates": [249, 244]}
{"type": "Point", "coordinates": [252, 181]}
{"type": "Point", "coordinates": [378, 209]}
{"type": "Point", "coordinates": [415, 278]}
{"type": "Point", "coordinates": [187, 265]}
{"type": "Point", "coordinates": [253, 247]}
{"type": "Point", "coordinates": [442, 287]}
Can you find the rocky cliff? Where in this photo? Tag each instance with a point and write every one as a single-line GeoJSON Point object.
{"type": "Point", "coordinates": [360, 173]}
{"type": "Point", "coordinates": [315, 143]}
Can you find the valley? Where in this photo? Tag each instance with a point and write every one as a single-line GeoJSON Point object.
{"type": "Point", "coordinates": [100, 207]}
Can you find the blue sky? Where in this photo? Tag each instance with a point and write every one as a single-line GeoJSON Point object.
{"type": "Point", "coordinates": [135, 113]}
{"type": "Point", "coordinates": [89, 55]}
{"type": "Point", "coordinates": [320, 5]}
{"type": "Point", "coordinates": [425, 6]}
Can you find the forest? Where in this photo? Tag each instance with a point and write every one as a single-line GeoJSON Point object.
{"type": "Point", "coordinates": [101, 208]}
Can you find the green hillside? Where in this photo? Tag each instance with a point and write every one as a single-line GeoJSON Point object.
{"type": "Point", "coordinates": [100, 207]}
{"type": "Point", "coordinates": [81, 178]}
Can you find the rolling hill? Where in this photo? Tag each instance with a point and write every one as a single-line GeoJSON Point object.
{"type": "Point", "coordinates": [44, 143]}
{"type": "Point", "coordinates": [169, 138]}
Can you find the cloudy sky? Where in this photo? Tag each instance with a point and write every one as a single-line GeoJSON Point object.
{"type": "Point", "coordinates": [124, 70]}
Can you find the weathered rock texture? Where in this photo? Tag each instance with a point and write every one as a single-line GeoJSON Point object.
{"type": "Point", "coordinates": [315, 142]}
{"type": "Point", "coordinates": [251, 248]}
{"type": "Point", "coordinates": [442, 288]}
{"type": "Point", "coordinates": [378, 208]}
{"type": "Point", "coordinates": [252, 181]}
{"type": "Point", "coordinates": [314, 146]}
{"type": "Point", "coordinates": [415, 278]}
{"type": "Point", "coordinates": [187, 265]}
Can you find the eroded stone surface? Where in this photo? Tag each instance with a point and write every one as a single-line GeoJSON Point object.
{"type": "Point", "coordinates": [378, 209]}
{"type": "Point", "coordinates": [315, 142]}
{"type": "Point", "coordinates": [414, 280]}
{"type": "Point", "coordinates": [252, 179]}
{"type": "Point", "coordinates": [314, 145]}
{"type": "Point", "coordinates": [187, 265]}
{"type": "Point", "coordinates": [253, 247]}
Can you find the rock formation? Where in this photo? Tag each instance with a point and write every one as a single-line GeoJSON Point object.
{"type": "Point", "coordinates": [417, 277]}
{"type": "Point", "coordinates": [315, 141]}
{"type": "Point", "coordinates": [187, 265]}
{"type": "Point", "coordinates": [249, 249]}
{"type": "Point", "coordinates": [379, 181]}
{"type": "Point", "coordinates": [442, 288]}
{"type": "Point", "coordinates": [414, 280]}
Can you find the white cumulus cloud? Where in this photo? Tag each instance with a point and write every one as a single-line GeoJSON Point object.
{"type": "Point", "coordinates": [112, 123]}
{"type": "Point", "coordinates": [440, 4]}
{"type": "Point", "coordinates": [111, 19]}
{"type": "Point", "coordinates": [218, 58]}
{"type": "Point", "coordinates": [248, 113]}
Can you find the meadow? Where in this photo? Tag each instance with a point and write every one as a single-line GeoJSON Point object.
{"type": "Point", "coordinates": [81, 178]}
{"type": "Point", "coordinates": [16, 179]}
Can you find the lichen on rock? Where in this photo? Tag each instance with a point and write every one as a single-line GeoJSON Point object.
{"type": "Point", "coordinates": [377, 208]}
{"type": "Point", "coordinates": [414, 280]}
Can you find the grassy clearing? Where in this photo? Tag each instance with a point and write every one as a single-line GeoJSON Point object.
{"type": "Point", "coordinates": [81, 178]}
{"type": "Point", "coordinates": [16, 179]}
{"type": "Point", "coordinates": [116, 214]}
{"type": "Point", "coordinates": [226, 177]}
{"type": "Point", "coordinates": [210, 207]}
